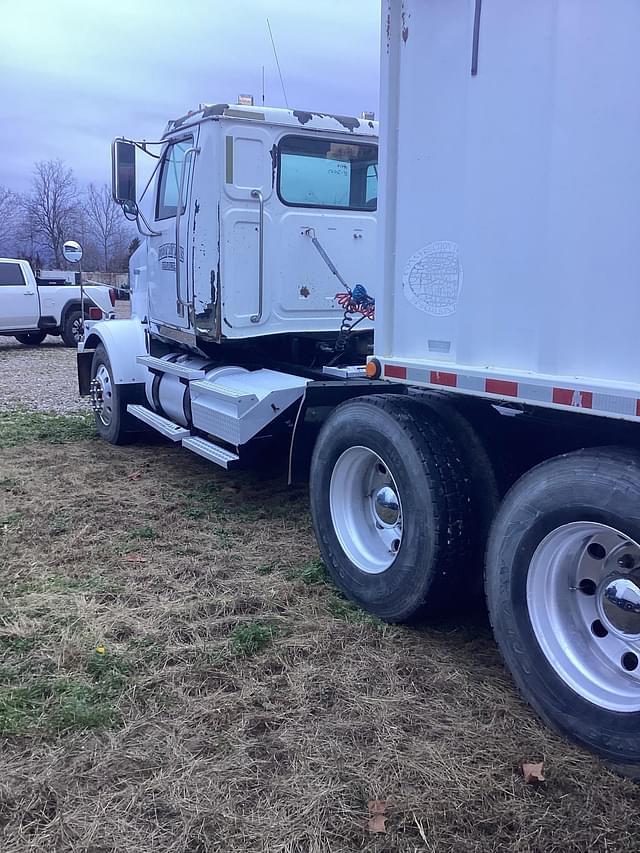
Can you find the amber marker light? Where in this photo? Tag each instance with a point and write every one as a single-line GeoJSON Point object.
{"type": "Point", "coordinates": [373, 368]}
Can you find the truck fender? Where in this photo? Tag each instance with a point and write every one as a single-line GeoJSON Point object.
{"type": "Point", "coordinates": [123, 340]}
{"type": "Point", "coordinates": [319, 400]}
{"type": "Point", "coordinates": [74, 303]}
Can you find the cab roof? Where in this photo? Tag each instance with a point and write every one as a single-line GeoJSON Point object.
{"type": "Point", "coordinates": [278, 116]}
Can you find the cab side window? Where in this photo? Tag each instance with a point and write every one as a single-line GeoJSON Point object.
{"type": "Point", "coordinates": [169, 183]}
{"type": "Point", "coordinates": [11, 275]}
{"type": "Point", "coordinates": [327, 173]}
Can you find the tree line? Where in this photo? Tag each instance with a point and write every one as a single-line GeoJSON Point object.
{"type": "Point", "coordinates": [34, 225]}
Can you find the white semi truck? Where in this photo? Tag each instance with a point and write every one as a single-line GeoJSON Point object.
{"type": "Point", "coordinates": [497, 405]}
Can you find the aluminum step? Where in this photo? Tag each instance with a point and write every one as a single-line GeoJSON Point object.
{"type": "Point", "coordinates": [165, 427]}
{"type": "Point", "coordinates": [164, 366]}
{"type": "Point", "coordinates": [220, 455]}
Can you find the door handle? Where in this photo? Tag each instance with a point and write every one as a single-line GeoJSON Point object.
{"type": "Point", "coordinates": [257, 317]}
{"type": "Point", "coordinates": [28, 292]}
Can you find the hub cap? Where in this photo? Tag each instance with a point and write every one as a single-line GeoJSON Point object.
{"type": "Point", "coordinates": [386, 506]}
{"type": "Point", "coordinates": [621, 605]}
{"type": "Point", "coordinates": [366, 510]}
{"type": "Point", "coordinates": [583, 597]}
{"type": "Point", "coordinates": [102, 395]}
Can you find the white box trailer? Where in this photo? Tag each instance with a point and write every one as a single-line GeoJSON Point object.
{"type": "Point", "coordinates": [503, 300]}
{"type": "Point", "coordinates": [509, 205]}
{"type": "Point", "coordinates": [510, 222]}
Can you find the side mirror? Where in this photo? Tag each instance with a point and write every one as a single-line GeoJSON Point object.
{"type": "Point", "coordinates": [123, 172]}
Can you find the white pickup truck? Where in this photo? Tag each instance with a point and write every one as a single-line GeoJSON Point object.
{"type": "Point", "coordinates": [29, 310]}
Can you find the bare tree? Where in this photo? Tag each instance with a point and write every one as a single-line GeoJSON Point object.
{"type": "Point", "coordinates": [106, 225]}
{"type": "Point", "coordinates": [53, 204]}
{"type": "Point", "coordinates": [27, 243]}
{"type": "Point", "coordinates": [9, 210]}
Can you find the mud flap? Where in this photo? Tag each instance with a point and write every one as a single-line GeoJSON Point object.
{"type": "Point", "coordinates": [84, 371]}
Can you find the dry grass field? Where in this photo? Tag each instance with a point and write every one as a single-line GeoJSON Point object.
{"type": "Point", "coordinates": [177, 675]}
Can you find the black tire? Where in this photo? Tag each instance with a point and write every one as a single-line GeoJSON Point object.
{"type": "Point", "coordinates": [31, 339]}
{"type": "Point", "coordinates": [120, 426]}
{"type": "Point", "coordinates": [598, 487]}
{"type": "Point", "coordinates": [484, 491]}
{"type": "Point", "coordinates": [71, 328]}
{"type": "Point", "coordinates": [428, 573]}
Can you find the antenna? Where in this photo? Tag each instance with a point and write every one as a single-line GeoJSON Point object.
{"type": "Point", "coordinates": [275, 53]}
{"type": "Point", "coordinates": [263, 85]}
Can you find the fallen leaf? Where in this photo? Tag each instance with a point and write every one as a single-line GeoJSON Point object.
{"type": "Point", "coordinates": [377, 815]}
{"type": "Point", "coordinates": [376, 823]}
{"type": "Point", "coordinates": [135, 558]}
{"type": "Point", "coordinates": [533, 773]}
{"type": "Point", "coordinates": [135, 475]}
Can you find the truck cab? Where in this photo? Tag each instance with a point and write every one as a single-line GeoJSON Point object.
{"type": "Point", "coordinates": [253, 279]}
{"type": "Point", "coordinates": [19, 302]}
{"type": "Point", "coordinates": [242, 191]}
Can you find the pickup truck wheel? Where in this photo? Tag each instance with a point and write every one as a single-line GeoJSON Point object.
{"type": "Point", "coordinates": [563, 589]}
{"type": "Point", "coordinates": [108, 400]}
{"type": "Point", "coordinates": [72, 328]}
{"type": "Point", "coordinates": [31, 339]}
{"type": "Point", "coordinates": [390, 503]}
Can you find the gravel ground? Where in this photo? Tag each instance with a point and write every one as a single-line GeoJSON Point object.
{"type": "Point", "coordinates": [42, 378]}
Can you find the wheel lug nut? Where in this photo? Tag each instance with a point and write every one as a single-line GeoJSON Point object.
{"type": "Point", "coordinates": [626, 561]}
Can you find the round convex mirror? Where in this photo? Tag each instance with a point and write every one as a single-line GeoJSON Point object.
{"type": "Point", "coordinates": [72, 251]}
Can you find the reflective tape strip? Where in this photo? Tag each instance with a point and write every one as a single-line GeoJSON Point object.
{"type": "Point", "coordinates": [570, 397]}
{"type": "Point", "coordinates": [438, 377]}
{"type": "Point", "coordinates": [615, 404]}
{"type": "Point", "coordinates": [503, 387]}
{"type": "Point", "coordinates": [603, 402]}
{"type": "Point", "coordinates": [471, 383]}
{"type": "Point", "coordinates": [395, 372]}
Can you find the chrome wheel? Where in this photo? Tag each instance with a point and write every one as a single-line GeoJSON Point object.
{"type": "Point", "coordinates": [366, 510]}
{"type": "Point", "coordinates": [77, 329]}
{"type": "Point", "coordinates": [102, 395]}
{"type": "Point", "coordinates": [583, 598]}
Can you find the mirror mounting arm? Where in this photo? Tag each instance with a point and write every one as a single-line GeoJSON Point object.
{"type": "Point", "coordinates": [135, 215]}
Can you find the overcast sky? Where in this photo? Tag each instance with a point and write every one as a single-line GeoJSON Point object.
{"type": "Point", "coordinates": [76, 73]}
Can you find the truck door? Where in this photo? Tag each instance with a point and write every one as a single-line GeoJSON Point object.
{"type": "Point", "coordinates": [19, 304]}
{"type": "Point", "coordinates": [245, 234]}
{"type": "Point", "coordinates": [171, 295]}
{"type": "Point", "coordinates": [326, 186]}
